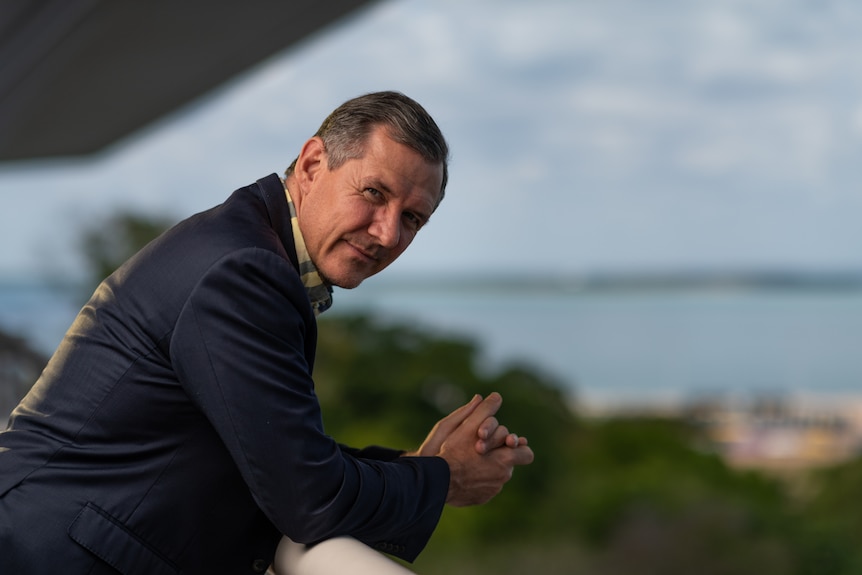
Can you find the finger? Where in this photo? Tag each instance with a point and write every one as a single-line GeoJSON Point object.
{"type": "Point", "coordinates": [507, 459]}
{"type": "Point", "coordinates": [487, 408]}
{"type": "Point", "coordinates": [457, 417]}
{"type": "Point", "coordinates": [444, 428]}
{"type": "Point", "coordinates": [513, 440]}
{"type": "Point", "coordinates": [522, 455]}
{"type": "Point", "coordinates": [488, 427]}
{"type": "Point", "coordinates": [497, 439]}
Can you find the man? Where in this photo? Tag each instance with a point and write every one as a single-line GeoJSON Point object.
{"type": "Point", "coordinates": [176, 428]}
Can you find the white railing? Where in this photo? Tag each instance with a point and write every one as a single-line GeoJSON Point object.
{"type": "Point", "coordinates": [340, 556]}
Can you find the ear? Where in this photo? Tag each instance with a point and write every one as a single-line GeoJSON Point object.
{"type": "Point", "coordinates": [310, 162]}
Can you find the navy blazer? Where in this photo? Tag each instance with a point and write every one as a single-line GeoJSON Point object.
{"type": "Point", "coordinates": [176, 428]}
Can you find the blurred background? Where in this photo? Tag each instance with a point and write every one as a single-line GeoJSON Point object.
{"type": "Point", "coordinates": [650, 238]}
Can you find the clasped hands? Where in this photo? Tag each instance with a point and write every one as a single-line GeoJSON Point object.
{"type": "Point", "coordinates": [481, 452]}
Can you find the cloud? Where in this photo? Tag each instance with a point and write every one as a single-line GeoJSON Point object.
{"type": "Point", "coordinates": [584, 134]}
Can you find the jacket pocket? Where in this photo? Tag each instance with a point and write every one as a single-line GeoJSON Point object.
{"type": "Point", "coordinates": [108, 539]}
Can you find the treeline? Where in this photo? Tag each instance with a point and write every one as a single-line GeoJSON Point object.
{"type": "Point", "coordinates": [643, 496]}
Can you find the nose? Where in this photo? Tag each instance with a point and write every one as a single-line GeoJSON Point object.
{"type": "Point", "coordinates": [386, 228]}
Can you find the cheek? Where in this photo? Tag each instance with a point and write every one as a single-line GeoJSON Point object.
{"type": "Point", "coordinates": [408, 235]}
{"type": "Point", "coordinates": [406, 240]}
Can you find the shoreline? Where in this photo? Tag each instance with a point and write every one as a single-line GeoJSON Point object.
{"type": "Point", "coordinates": [604, 402]}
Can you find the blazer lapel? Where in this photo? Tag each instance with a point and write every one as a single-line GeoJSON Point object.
{"type": "Point", "coordinates": [271, 189]}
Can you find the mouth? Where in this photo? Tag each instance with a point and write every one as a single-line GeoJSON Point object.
{"type": "Point", "coordinates": [368, 254]}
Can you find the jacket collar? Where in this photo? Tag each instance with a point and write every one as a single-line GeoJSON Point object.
{"type": "Point", "coordinates": [272, 191]}
{"type": "Point", "coordinates": [281, 216]}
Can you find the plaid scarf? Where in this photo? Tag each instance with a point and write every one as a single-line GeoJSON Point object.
{"type": "Point", "coordinates": [319, 292]}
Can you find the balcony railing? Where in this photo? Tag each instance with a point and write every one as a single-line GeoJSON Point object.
{"type": "Point", "coordinates": [340, 556]}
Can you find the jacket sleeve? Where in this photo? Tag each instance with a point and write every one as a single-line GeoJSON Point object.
{"type": "Point", "coordinates": [239, 349]}
{"type": "Point", "coordinates": [376, 452]}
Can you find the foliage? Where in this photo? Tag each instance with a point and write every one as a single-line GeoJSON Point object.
{"type": "Point", "coordinates": [830, 522]}
{"type": "Point", "coordinates": [389, 384]}
{"type": "Point", "coordinates": [613, 496]}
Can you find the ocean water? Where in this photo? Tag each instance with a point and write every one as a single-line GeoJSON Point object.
{"type": "Point", "coordinates": [602, 347]}
{"type": "Point", "coordinates": [38, 312]}
{"type": "Point", "coordinates": [654, 346]}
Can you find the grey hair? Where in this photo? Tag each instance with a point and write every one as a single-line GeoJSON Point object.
{"type": "Point", "coordinates": [345, 131]}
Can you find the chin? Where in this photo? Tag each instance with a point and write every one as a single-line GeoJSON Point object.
{"type": "Point", "coordinates": [343, 282]}
{"type": "Point", "coordinates": [348, 278]}
{"type": "Point", "coordinates": [347, 284]}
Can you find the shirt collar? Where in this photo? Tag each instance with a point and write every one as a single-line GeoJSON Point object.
{"type": "Point", "coordinates": [319, 292]}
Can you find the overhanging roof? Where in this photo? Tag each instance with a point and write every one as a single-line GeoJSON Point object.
{"type": "Point", "coordinates": [78, 75]}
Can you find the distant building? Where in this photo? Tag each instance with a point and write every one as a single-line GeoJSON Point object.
{"type": "Point", "coordinates": [775, 435]}
{"type": "Point", "coordinates": [20, 366]}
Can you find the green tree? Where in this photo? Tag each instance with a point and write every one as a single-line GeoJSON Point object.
{"type": "Point", "coordinates": [829, 523]}
{"type": "Point", "coordinates": [649, 500]}
{"type": "Point", "coordinates": [388, 384]}
{"type": "Point", "coordinates": [628, 495]}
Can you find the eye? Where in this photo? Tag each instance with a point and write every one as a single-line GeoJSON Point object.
{"type": "Point", "coordinates": [414, 222]}
{"type": "Point", "coordinates": [373, 193]}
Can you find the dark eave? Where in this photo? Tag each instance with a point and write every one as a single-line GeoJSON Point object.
{"type": "Point", "coordinates": [79, 75]}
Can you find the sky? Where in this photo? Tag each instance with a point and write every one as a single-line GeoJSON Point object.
{"type": "Point", "coordinates": [586, 136]}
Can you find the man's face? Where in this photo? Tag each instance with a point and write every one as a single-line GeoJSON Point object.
{"type": "Point", "coordinates": [358, 218]}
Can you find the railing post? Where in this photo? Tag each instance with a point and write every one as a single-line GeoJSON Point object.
{"type": "Point", "coordinates": [339, 556]}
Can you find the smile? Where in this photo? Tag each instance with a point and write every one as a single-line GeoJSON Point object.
{"type": "Point", "coordinates": [366, 254]}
